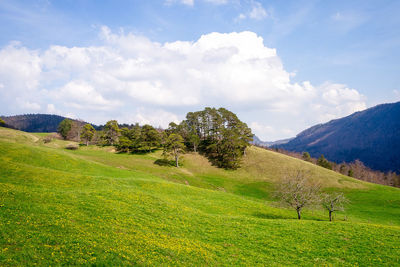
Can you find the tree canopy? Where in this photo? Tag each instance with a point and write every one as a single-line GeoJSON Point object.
{"type": "Point", "coordinates": [87, 133]}
{"type": "Point", "coordinates": [174, 146]}
{"type": "Point", "coordinates": [111, 132]}
{"type": "Point", "coordinates": [64, 127]}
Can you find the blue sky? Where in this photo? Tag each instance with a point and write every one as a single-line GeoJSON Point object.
{"type": "Point", "coordinates": [282, 66]}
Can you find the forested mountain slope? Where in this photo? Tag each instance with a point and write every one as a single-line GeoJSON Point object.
{"type": "Point", "coordinates": [372, 136]}
{"type": "Point", "coordinates": [34, 122]}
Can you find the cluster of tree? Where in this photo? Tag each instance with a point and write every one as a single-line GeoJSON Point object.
{"type": "Point", "coordinates": [298, 191]}
{"type": "Point", "coordinates": [138, 139]}
{"type": "Point", "coordinates": [355, 169]}
{"type": "Point", "coordinates": [2, 122]}
{"type": "Point", "coordinates": [216, 133]}
{"type": "Point", "coordinates": [76, 131]}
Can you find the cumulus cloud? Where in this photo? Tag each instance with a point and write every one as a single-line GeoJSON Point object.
{"type": "Point", "coordinates": [131, 78]}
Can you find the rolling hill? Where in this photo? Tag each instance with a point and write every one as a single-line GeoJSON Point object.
{"type": "Point", "coordinates": [93, 206]}
{"type": "Point", "coordinates": [34, 122]}
{"type": "Point", "coordinates": [371, 136]}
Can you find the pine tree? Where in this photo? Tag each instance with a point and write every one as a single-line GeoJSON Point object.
{"type": "Point", "coordinates": [111, 132]}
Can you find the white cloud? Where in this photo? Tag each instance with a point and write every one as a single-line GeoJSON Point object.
{"type": "Point", "coordinates": [132, 78]}
{"type": "Point", "coordinates": [191, 2]}
{"type": "Point", "coordinates": [183, 2]}
{"type": "Point", "coordinates": [396, 94]}
{"type": "Point", "coordinates": [51, 109]}
{"type": "Point", "coordinates": [82, 95]}
{"type": "Point", "coordinates": [257, 12]}
{"type": "Point", "coordinates": [26, 105]}
{"type": "Point", "coordinates": [218, 2]}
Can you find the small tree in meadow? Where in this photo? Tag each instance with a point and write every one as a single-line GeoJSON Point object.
{"type": "Point", "coordinates": [333, 202]}
{"type": "Point", "coordinates": [64, 128]}
{"type": "Point", "coordinates": [174, 146]}
{"type": "Point", "coordinates": [297, 191]}
{"type": "Point", "coordinates": [323, 162]}
{"type": "Point", "coordinates": [306, 156]}
{"type": "Point", "coordinates": [2, 122]}
{"type": "Point", "coordinates": [87, 133]}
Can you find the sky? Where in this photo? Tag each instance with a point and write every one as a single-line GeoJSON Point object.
{"type": "Point", "coordinates": [281, 66]}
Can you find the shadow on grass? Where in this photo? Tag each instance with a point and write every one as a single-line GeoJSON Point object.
{"type": "Point", "coordinates": [270, 216]}
{"type": "Point", "coordinates": [277, 216]}
{"type": "Point", "coordinates": [165, 162]}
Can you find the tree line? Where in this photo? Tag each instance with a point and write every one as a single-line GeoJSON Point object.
{"type": "Point", "coordinates": [355, 169]}
{"type": "Point", "coordinates": [216, 133]}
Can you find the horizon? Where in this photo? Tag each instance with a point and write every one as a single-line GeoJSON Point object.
{"type": "Point", "coordinates": [160, 127]}
{"type": "Point", "coordinates": [153, 62]}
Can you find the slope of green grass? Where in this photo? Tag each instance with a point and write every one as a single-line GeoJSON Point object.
{"type": "Point", "coordinates": [93, 206]}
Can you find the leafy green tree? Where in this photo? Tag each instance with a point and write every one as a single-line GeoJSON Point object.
{"type": "Point", "coordinates": [333, 202]}
{"type": "Point", "coordinates": [350, 173]}
{"type": "Point", "coordinates": [87, 133]}
{"type": "Point", "coordinates": [194, 141]}
{"type": "Point", "coordinates": [174, 146]}
{"type": "Point", "coordinates": [2, 122]}
{"type": "Point", "coordinates": [149, 138]}
{"type": "Point", "coordinates": [64, 128]}
{"type": "Point", "coordinates": [306, 156]}
{"type": "Point", "coordinates": [111, 132]}
{"type": "Point", "coordinates": [323, 162]}
{"type": "Point", "coordinates": [219, 134]}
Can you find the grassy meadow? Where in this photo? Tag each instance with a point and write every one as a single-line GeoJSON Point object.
{"type": "Point", "coordinates": [93, 206]}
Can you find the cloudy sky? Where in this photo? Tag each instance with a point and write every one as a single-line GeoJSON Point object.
{"type": "Point", "coordinates": [282, 66]}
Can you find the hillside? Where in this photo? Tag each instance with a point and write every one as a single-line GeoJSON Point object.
{"type": "Point", "coordinates": [95, 206]}
{"type": "Point", "coordinates": [371, 136]}
{"type": "Point", "coordinates": [34, 122]}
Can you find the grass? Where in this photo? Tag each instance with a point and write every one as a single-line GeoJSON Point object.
{"type": "Point", "coordinates": [93, 206]}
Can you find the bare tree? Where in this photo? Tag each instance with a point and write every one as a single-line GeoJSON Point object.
{"type": "Point", "coordinates": [297, 191]}
{"type": "Point", "coordinates": [333, 202]}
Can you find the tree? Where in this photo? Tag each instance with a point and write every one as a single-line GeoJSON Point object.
{"type": "Point", "coordinates": [323, 162]}
{"type": "Point", "coordinates": [306, 156]}
{"type": "Point", "coordinates": [87, 133]}
{"type": "Point", "coordinates": [218, 133]}
{"type": "Point", "coordinates": [2, 122]}
{"type": "Point", "coordinates": [64, 127]}
{"type": "Point", "coordinates": [111, 132]}
{"type": "Point", "coordinates": [333, 202]}
{"type": "Point", "coordinates": [150, 138]}
{"type": "Point", "coordinates": [297, 191]}
{"type": "Point", "coordinates": [174, 146]}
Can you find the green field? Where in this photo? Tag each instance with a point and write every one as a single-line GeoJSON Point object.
{"type": "Point", "coordinates": [93, 206]}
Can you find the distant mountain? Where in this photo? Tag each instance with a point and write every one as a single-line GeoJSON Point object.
{"type": "Point", "coordinates": [259, 142]}
{"type": "Point", "coordinates": [34, 122]}
{"type": "Point", "coordinates": [372, 136]}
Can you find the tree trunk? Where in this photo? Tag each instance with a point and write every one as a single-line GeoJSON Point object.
{"type": "Point", "coordinates": [195, 148]}
{"type": "Point", "coordinates": [298, 213]}
{"type": "Point", "coordinates": [87, 143]}
{"type": "Point", "coordinates": [330, 216]}
{"type": "Point", "coordinates": [176, 160]}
